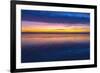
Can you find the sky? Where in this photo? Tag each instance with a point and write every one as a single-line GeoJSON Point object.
{"type": "Point", "coordinates": [52, 21]}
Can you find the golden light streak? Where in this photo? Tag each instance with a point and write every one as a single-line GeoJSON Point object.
{"type": "Point", "coordinates": [48, 27]}
{"type": "Point", "coordinates": [67, 29]}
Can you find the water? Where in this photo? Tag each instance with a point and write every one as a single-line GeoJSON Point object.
{"type": "Point", "coordinates": [54, 47]}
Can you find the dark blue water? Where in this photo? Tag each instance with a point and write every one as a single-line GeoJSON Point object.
{"type": "Point", "coordinates": [54, 47]}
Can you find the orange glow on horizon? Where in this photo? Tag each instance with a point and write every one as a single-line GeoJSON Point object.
{"type": "Point", "coordinates": [67, 29]}
{"type": "Point", "coordinates": [48, 27]}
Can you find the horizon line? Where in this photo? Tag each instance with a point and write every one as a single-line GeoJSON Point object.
{"type": "Point", "coordinates": [55, 32]}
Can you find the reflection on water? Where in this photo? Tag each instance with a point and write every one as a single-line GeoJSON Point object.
{"type": "Point", "coordinates": [55, 47]}
{"type": "Point", "coordinates": [53, 38]}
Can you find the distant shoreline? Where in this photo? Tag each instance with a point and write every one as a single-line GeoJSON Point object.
{"type": "Point", "coordinates": [55, 33]}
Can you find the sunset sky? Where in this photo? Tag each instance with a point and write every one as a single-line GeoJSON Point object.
{"type": "Point", "coordinates": [52, 21]}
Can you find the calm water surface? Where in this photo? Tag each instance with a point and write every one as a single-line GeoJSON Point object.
{"type": "Point", "coordinates": [54, 47]}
